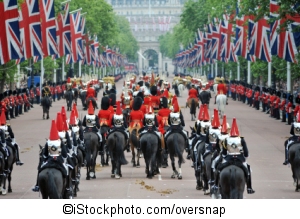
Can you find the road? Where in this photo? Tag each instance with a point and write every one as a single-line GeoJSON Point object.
{"type": "Point", "coordinates": [264, 137]}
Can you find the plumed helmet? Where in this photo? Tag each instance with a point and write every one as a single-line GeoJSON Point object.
{"type": "Point", "coordinates": [140, 94]}
{"type": "Point", "coordinates": [284, 95]}
{"type": "Point", "coordinates": [297, 100]}
{"type": "Point", "coordinates": [163, 102]}
{"type": "Point", "coordinates": [113, 99]}
{"type": "Point", "coordinates": [105, 103]}
{"type": "Point", "coordinates": [137, 103]}
{"type": "Point", "coordinates": [278, 94]}
{"type": "Point", "coordinates": [153, 90]}
{"type": "Point", "coordinates": [291, 98]}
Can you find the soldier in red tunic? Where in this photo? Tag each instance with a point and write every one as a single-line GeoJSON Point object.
{"type": "Point", "coordinates": [222, 89]}
{"type": "Point", "coordinates": [136, 116]}
{"type": "Point", "coordinates": [193, 93]}
{"type": "Point", "coordinates": [164, 112]}
{"type": "Point", "coordinates": [289, 109]}
{"type": "Point", "coordinates": [256, 97]}
{"type": "Point", "coordinates": [282, 107]}
{"type": "Point", "coordinates": [154, 98]}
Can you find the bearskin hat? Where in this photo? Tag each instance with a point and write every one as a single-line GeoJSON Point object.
{"type": "Point", "coordinates": [160, 83]}
{"type": "Point", "coordinates": [163, 102]}
{"type": "Point", "coordinates": [140, 94]}
{"type": "Point", "coordinates": [24, 90]}
{"type": "Point", "coordinates": [141, 83]}
{"type": "Point", "coordinates": [5, 93]}
{"type": "Point", "coordinates": [112, 91]}
{"type": "Point", "coordinates": [278, 94]}
{"type": "Point", "coordinates": [284, 95]}
{"type": "Point", "coordinates": [297, 100]}
{"type": "Point", "coordinates": [137, 103]}
{"type": "Point", "coordinates": [1, 96]}
{"type": "Point", "coordinates": [153, 90]}
{"type": "Point", "coordinates": [113, 99]}
{"type": "Point", "coordinates": [31, 86]}
{"type": "Point", "coordinates": [264, 89]}
{"type": "Point", "coordinates": [291, 98]}
{"type": "Point", "coordinates": [105, 103]}
{"type": "Point", "coordinates": [37, 84]}
{"type": "Point", "coordinates": [14, 92]}
{"type": "Point", "coordinates": [257, 88]}
{"type": "Point", "coordinates": [176, 75]}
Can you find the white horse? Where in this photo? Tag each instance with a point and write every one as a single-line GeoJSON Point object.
{"type": "Point", "coordinates": [221, 103]}
{"type": "Point", "coordinates": [215, 88]}
{"type": "Point", "coordinates": [180, 89]}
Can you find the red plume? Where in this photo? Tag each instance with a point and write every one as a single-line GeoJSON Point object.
{"type": "Point", "coordinates": [72, 118]}
{"type": "Point", "coordinates": [3, 118]}
{"type": "Point", "coordinates": [200, 115]}
{"type": "Point", "coordinates": [166, 94]}
{"type": "Point", "coordinates": [64, 117]}
{"type": "Point", "coordinates": [216, 122]}
{"type": "Point", "coordinates": [91, 108]}
{"type": "Point", "coordinates": [298, 116]}
{"type": "Point", "coordinates": [59, 122]}
{"type": "Point", "coordinates": [152, 81]}
{"type": "Point", "coordinates": [75, 110]}
{"type": "Point", "coordinates": [224, 125]}
{"type": "Point", "coordinates": [234, 132]}
{"type": "Point", "coordinates": [69, 80]}
{"type": "Point", "coordinates": [63, 110]}
{"type": "Point", "coordinates": [53, 132]}
{"type": "Point", "coordinates": [205, 113]}
{"type": "Point", "coordinates": [118, 110]}
{"type": "Point", "coordinates": [176, 108]}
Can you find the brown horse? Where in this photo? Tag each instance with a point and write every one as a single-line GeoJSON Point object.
{"type": "Point", "coordinates": [135, 145]}
{"type": "Point", "coordinates": [193, 103]}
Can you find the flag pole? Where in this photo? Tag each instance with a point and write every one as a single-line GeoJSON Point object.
{"type": "Point", "coordinates": [238, 71]}
{"type": "Point", "coordinates": [65, 2]}
{"type": "Point", "coordinates": [249, 73]}
{"type": "Point", "coordinates": [63, 69]}
{"type": "Point", "coordinates": [288, 81]}
{"type": "Point", "coordinates": [269, 73]}
{"type": "Point", "coordinates": [72, 12]}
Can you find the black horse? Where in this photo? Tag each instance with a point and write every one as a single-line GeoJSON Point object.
{"type": "Point", "coordinates": [175, 87]}
{"type": "Point", "coordinates": [116, 144]}
{"type": "Point", "coordinates": [2, 174]}
{"type": "Point", "coordinates": [135, 145]}
{"type": "Point", "coordinates": [294, 160]}
{"type": "Point", "coordinates": [10, 160]}
{"type": "Point", "coordinates": [46, 103]}
{"type": "Point", "coordinates": [205, 97]}
{"type": "Point", "coordinates": [76, 94]}
{"type": "Point", "coordinates": [91, 147]}
{"type": "Point", "coordinates": [82, 96]}
{"type": "Point", "coordinates": [232, 182]}
{"type": "Point", "coordinates": [149, 147]}
{"type": "Point", "coordinates": [104, 156]}
{"type": "Point", "coordinates": [176, 145]}
{"type": "Point", "coordinates": [69, 96]}
{"type": "Point", "coordinates": [52, 184]}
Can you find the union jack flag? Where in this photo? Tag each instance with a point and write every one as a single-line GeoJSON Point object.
{"type": "Point", "coordinates": [76, 37]}
{"type": "Point", "coordinates": [10, 44]}
{"type": "Point", "coordinates": [108, 57]}
{"type": "Point", "coordinates": [30, 28]}
{"type": "Point", "coordinates": [63, 32]}
{"type": "Point", "coordinates": [216, 40]}
{"type": "Point", "coordinates": [48, 26]}
{"type": "Point", "coordinates": [283, 42]}
{"type": "Point", "coordinates": [201, 48]}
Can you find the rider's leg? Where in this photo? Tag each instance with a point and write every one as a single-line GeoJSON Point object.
{"type": "Point", "coordinates": [18, 162]}
{"type": "Point", "coordinates": [249, 181]}
{"type": "Point", "coordinates": [286, 153]}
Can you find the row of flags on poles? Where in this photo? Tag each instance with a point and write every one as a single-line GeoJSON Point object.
{"type": "Point", "coordinates": [150, 23]}
{"type": "Point", "coordinates": [225, 39]}
{"type": "Point", "coordinates": [34, 31]}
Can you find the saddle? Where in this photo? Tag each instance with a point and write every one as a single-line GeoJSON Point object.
{"type": "Point", "coordinates": [189, 102]}
{"type": "Point", "coordinates": [175, 129]}
{"type": "Point", "coordinates": [235, 162]}
{"type": "Point", "coordinates": [151, 130]}
{"type": "Point", "coordinates": [54, 163]}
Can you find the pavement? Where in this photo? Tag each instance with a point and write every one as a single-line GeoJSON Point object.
{"type": "Point", "coordinates": [264, 136]}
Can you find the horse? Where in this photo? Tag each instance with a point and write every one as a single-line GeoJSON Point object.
{"type": "Point", "coordinates": [221, 102]}
{"type": "Point", "coordinates": [181, 89]}
{"type": "Point", "coordinates": [80, 159]}
{"type": "Point", "coordinates": [294, 160]}
{"type": "Point", "coordinates": [93, 102]}
{"type": "Point", "coordinates": [232, 182]}
{"type": "Point", "coordinates": [46, 103]}
{"type": "Point", "coordinates": [176, 145]}
{"type": "Point", "coordinates": [2, 174]}
{"type": "Point", "coordinates": [104, 157]}
{"type": "Point", "coordinates": [215, 88]}
{"type": "Point", "coordinates": [175, 87]}
{"type": "Point", "coordinates": [192, 103]}
{"type": "Point", "coordinates": [11, 159]}
{"type": "Point", "coordinates": [116, 144]}
{"type": "Point", "coordinates": [75, 94]}
{"type": "Point", "coordinates": [52, 184]}
{"type": "Point", "coordinates": [126, 115]}
{"type": "Point", "coordinates": [82, 96]}
{"type": "Point", "coordinates": [204, 97]}
{"type": "Point", "coordinates": [135, 144]}
{"type": "Point", "coordinates": [91, 147]}
{"type": "Point", "coordinates": [149, 146]}
{"type": "Point", "coordinates": [69, 96]}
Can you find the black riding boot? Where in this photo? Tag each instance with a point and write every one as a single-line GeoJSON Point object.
{"type": "Point", "coordinates": [18, 162]}
{"type": "Point", "coordinates": [69, 193]}
{"type": "Point", "coordinates": [249, 181]}
{"type": "Point", "coordinates": [212, 180]}
{"type": "Point", "coordinates": [286, 161]}
{"type": "Point", "coordinates": [101, 149]}
{"type": "Point", "coordinates": [127, 145]}
{"type": "Point", "coordinates": [215, 99]}
{"type": "Point", "coordinates": [36, 188]}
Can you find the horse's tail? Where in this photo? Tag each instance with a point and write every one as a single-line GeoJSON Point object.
{"type": "Point", "coordinates": [193, 107]}
{"type": "Point", "coordinates": [52, 189]}
{"type": "Point", "coordinates": [119, 150]}
{"type": "Point", "coordinates": [176, 148]}
{"type": "Point", "coordinates": [88, 142]}
{"type": "Point", "coordinates": [232, 183]}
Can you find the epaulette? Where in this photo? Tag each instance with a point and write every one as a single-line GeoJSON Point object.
{"type": "Point", "coordinates": [8, 124]}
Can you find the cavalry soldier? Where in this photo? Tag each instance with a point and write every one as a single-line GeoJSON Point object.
{"type": "Point", "coordinates": [104, 116]}
{"type": "Point", "coordinates": [136, 116]}
{"type": "Point", "coordinates": [177, 124]}
{"type": "Point", "coordinates": [295, 138]}
{"type": "Point", "coordinates": [154, 98]}
{"type": "Point", "coordinates": [91, 122]}
{"type": "Point", "coordinates": [221, 88]}
{"type": "Point", "coordinates": [193, 93]}
{"type": "Point", "coordinates": [164, 111]}
{"type": "Point", "coordinates": [282, 107]}
{"type": "Point", "coordinates": [91, 93]}
{"type": "Point", "coordinates": [118, 123]}
{"type": "Point", "coordinates": [10, 137]}
{"type": "Point", "coordinates": [126, 98]}
{"type": "Point", "coordinates": [235, 147]}
{"type": "Point", "coordinates": [289, 109]}
{"type": "Point", "coordinates": [147, 99]}
{"type": "Point", "coordinates": [256, 97]}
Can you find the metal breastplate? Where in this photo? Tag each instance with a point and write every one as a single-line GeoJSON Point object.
{"type": "Point", "coordinates": [213, 135]}
{"type": "Point", "coordinates": [90, 120]}
{"type": "Point", "coordinates": [175, 118]}
{"type": "Point", "coordinates": [75, 129]}
{"type": "Point", "coordinates": [126, 100]}
{"type": "Point", "coordinates": [54, 147]}
{"type": "Point", "coordinates": [204, 126]}
{"type": "Point", "coordinates": [234, 146]}
{"type": "Point", "coordinates": [222, 140]}
{"type": "Point", "coordinates": [297, 128]}
{"type": "Point", "coordinates": [149, 119]}
{"type": "Point", "coordinates": [118, 120]}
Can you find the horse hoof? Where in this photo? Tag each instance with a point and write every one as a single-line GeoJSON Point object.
{"type": "Point", "coordinates": [138, 166]}
{"type": "Point", "coordinates": [3, 191]}
{"type": "Point", "coordinates": [9, 191]}
{"type": "Point", "coordinates": [199, 187]}
{"type": "Point", "coordinates": [206, 192]}
{"type": "Point", "coordinates": [117, 177]}
{"type": "Point", "coordinates": [94, 177]}
{"type": "Point", "coordinates": [134, 165]}
{"type": "Point", "coordinates": [173, 176]}
{"type": "Point", "coordinates": [179, 177]}
{"type": "Point", "coordinates": [74, 195]}
{"type": "Point", "coordinates": [149, 176]}
{"type": "Point", "coordinates": [112, 175]}
{"type": "Point", "coordinates": [88, 178]}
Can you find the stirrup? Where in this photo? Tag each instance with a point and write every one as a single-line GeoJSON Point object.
{"type": "Point", "coordinates": [19, 163]}
{"type": "Point", "coordinates": [35, 189]}
{"type": "Point", "coordinates": [286, 162]}
{"type": "Point", "coordinates": [250, 191]}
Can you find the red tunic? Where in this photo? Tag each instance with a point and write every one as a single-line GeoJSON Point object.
{"type": "Point", "coordinates": [296, 110]}
{"type": "Point", "coordinates": [155, 101]}
{"type": "Point", "coordinates": [221, 89]}
{"type": "Point", "coordinates": [90, 93]}
{"type": "Point", "coordinates": [193, 93]}
{"type": "Point", "coordinates": [38, 92]}
{"type": "Point", "coordinates": [289, 107]}
{"type": "Point", "coordinates": [144, 109]}
{"type": "Point", "coordinates": [282, 104]}
{"type": "Point", "coordinates": [105, 117]}
{"type": "Point", "coordinates": [164, 114]}
{"type": "Point", "coordinates": [136, 119]}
